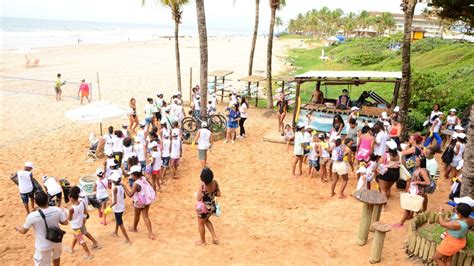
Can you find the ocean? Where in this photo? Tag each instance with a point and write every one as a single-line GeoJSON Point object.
{"type": "Point", "coordinates": [21, 33]}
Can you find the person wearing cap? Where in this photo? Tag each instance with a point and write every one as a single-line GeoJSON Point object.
{"type": "Point", "coordinates": [132, 117]}
{"type": "Point", "coordinates": [434, 130]}
{"type": "Point", "coordinates": [175, 153]}
{"type": "Point", "coordinates": [53, 188]}
{"type": "Point", "coordinates": [166, 152]}
{"type": "Point", "coordinates": [206, 205]}
{"type": "Point", "coordinates": [343, 101]}
{"type": "Point", "coordinates": [233, 117]}
{"type": "Point", "coordinates": [46, 252]}
{"type": "Point", "coordinates": [109, 139]}
{"type": "Point", "coordinates": [101, 189]}
{"type": "Point", "coordinates": [395, 114]}
{"type": "Point", "coordinates": [25, 185]}
{"type": "Point", "coordinates": [298, 150]}
{"type": "Point", "coordinates": [158, 104]}
{"type": "Point", "coordinates": [354, 113]}
{"type": "Point", "coordinates": [141, 134]}
{"type": "Point", "coordinates": [452, 120]}
{"type": "Point", "coordinates": [156, 164]}
{"type": "Point", "coordinates": [107, 164]}
{"type": "Point", "coordinates": [118, 146]}
{"type": "Point", "coordinates": [83, 91]}
{"type": "Point", "coordinates": [149, 113]}
{"type": "Point", "coordinates": [458, 152]}
{"type": "Point", "coordinates": [138, 193]}
{"type": "Point", "coordinates": [282, 105]}
{"type": "Point", "coordinates": [125, 130]}
{"type": "Point", "coordinates": [456, 234]}
{"type": "Point", "coordinates": [391, 164]}
{"type": "Point", "coordinates": [204, 140]}
{"type": "Point", "coordinates": [381, 138]}
{"type": "Point", "coordinates": [118, 206]}
{"type": "Point", "coordinates": [197, 106]}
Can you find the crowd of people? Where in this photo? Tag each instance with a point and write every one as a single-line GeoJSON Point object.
{"type": "Point", "coordinates": [139, 158]}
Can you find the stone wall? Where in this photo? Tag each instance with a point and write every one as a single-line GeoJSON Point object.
{"type": "Point", "coordinates": [467, 188]}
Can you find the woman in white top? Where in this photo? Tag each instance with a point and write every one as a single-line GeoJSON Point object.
{"type": "Point", "coordinates": [175, 153]}
{"type": "Point", "coordinates": [118, 147]}
{"type": "Point", "coordinates": [452, 119]}
{"type": "Point", "coordinates": [102, 193]}
{"type": "Point", "coordinates": [243, 116]}
{"type": "Point", "coordinates": [434, 131]}
{"type": "Point", "coordinates": [53, 188]}
{"type": "Point", "coordinates": [118, 206]}
{"type": "Point", "coordinates": [109, 140]}
{"type": "Point", "coordinates": [458, 153]}
{"type": "Point", "coordinates": [380, 139]}
{"type": "Point", "coordinates": [204, 140]}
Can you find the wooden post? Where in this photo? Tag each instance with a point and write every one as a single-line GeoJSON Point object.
{"type": "Point", "coordinates": [215, 84]}
{"type": "Point", "coordinates": [426, 250]}
{"type": "Point", "coordinates": [395, 94]}
{"type": "Point", "coordinates": [417, 244]}
{"type": "Point", "coordinates": [297, 96]}
{"type": "Point", "coordinates": [101, 128]}
{"type": "Point", "coordinates": [375, 216]}
{"type": "Point", "coordinates": [98, 87]}
{"type": "Point", "coordinates": [190, 85]}
{"type": "Point", "coordinates": [377, 246]}
{"type": "Point", "coordinates": [364, 226]}
{"type": "Point", "coordinates": [256, 97]}
{"type": "Point", "coordinates": [223, 84]}
{"type": "Point", "coordinates": [422, 247]}
{"type": "Point", "coordinates": [432, 251]}
{"type": "Point", "coordinates": [283, 87]}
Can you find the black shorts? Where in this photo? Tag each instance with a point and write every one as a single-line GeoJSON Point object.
{"type": "Point", "coordinates": [158, 115]}
{"type": "Point", "coordinates": [118, 218]}
{"type": "Point", "coordinates": [354, 148]}
{"type": "Point", "coordinates": [392, 175]}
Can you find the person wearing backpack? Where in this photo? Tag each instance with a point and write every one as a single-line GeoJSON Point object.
{"type": "Point", "coordinates": [142, 195]}
{"type": "Point", "coordinates": [45, 250]}
{"type": "Point", "coordinates": [339, 167]}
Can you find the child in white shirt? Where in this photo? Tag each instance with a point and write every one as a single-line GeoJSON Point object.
{"type": "Point", "coordinates": [118, 206]}
{"type": "Point", "coordinates": [175, 153]}
{"type": "Point", "coordinates": [101, 187]}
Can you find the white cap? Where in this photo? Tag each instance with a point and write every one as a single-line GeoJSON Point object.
{"type": "Point", "coordinates": [458, 127]}
{"type": "Point", "coordinates": [112, 163]}
{"type": "Point", "coordinates": [391, 144]}
{"type": "Point", "coordinates": [175, 134]}
{"type": "Point", "coordinates": [163, 122]}
{"type": "Point", "coordinates": [454, 135]}
{"type": "Point", "coordinates": [371, 125]}
{"type": "Point", "coordinates": [321, 135]}
{"type": "Point", "coordinates": [439, 113]}
{"type": "Point", "coordinates": [468, 200]}
{"type": "Point", "coordinates": [132, 154]}
{"type": "Point", "coordinates": [396, 109]}
{"type": "Point", "coordinates": [461, 136]}
{"type": "Point", "coordinates": [29, 164]}
{"type": "Point", "coordinates": [108, 153]}
{"type": "Point", "coordinates": [135, 168]}
{"type": "Point", "coordinates": [384, 115]}
{"type": "Point", "coordinates": [124, 125]}
{"type": "Point", "coordinates": [153, 145]}
{"type": "Point", "coordinates": [300, 124]}
{"type": "Point", "coordinates": [404, 146]}
{"type": "Point", "coordinates": [114, 177]}
{"type": "Point", "coordinates": [460, 165]}
{"type": "Point", "coordinates": [452, 110]}
{"type": "Point", "coordinates": [142, 123]}
{"type": "Point", "coordinates": [354, 108]}
{"type": "Point", "coordinates": [386, 123]}
{"type": "Point", "coordinates": [165, 135]}
{"type": "Point", "coordinates": [100, 171]}
{"type": "Point", "coordinates": [44, 178]}
{"type": "Point", "coordinates": [361, 170]}
{"type": "Point", "coordinates": [337, 137]}
{"type": "Point", "coordinates": [204, 124]}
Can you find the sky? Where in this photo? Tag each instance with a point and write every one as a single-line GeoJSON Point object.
{"type": "Point", "coordinates": [231, 14]}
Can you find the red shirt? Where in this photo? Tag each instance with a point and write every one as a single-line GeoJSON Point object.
{"type": "Point", "coordinates": [84, 88]}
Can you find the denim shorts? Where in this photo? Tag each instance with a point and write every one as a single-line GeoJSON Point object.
{"type": "Point", "coordinates": [26, 196]}
{"type": "Point", "coordinates": [118, 218]}
{"type": "Point", "coordinates": [148, 120]}
{"type": "Point", "coordinates": [166, 161]}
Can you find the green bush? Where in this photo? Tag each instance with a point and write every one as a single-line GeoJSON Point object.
{"type": "Point", "coordinates": [428, 44]}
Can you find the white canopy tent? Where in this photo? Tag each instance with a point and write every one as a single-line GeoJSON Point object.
{"type": "Point", "coordinates": [351, 74]}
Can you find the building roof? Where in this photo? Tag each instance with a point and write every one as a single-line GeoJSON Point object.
{"type": "Point", "coordinates": [418, 29]}
{"type": "Point", "coordinates": [350, 75]}
{"type": "Point", "coordinates": [402, 16]}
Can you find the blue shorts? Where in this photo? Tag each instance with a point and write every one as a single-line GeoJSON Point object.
{"type": "Point", "coordinates": [143, 164]}
{"type": "Point", "coordinates": [232, 124]}
{"type": "Point", "coordinates": [25, 197]}
{"type": "Point", "coordinates": [148, 120]}
{"type": "Point", "coordinates": [118, 218]}
{"type": "Point", "coordinates": [166, 161]}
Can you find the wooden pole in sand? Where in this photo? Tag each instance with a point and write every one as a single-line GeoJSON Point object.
{"type": "Point", "coordinates": [375, 216]}
{"type": "Point", "coordinates": [377, 246]}
{"type": "Point", "coordinates": [365, 219]}
{"type": "Point", "coordinates": [190, 85]}
{"type": "Point", "coordinates": [100, 96]}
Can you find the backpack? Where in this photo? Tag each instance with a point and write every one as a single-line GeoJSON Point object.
{"type": "Point", "coordinates": [340, 154]}
{"type": "Point", "coordinates": [145, 196]}
{"type": "Point", "coordinates": [448, 155]}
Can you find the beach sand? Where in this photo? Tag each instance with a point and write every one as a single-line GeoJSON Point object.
{"type": "Point", "coordinates": [268, 217]}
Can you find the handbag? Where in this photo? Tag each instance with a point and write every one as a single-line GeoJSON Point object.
{"type": "Point", "coordinates": [53, 234]}
{"type": "Point", "coordinates": [411, 202]}
{"type": "Point", "coordinates": [218, 209]}
{"type": "Point", "coordinates": [404, 174]}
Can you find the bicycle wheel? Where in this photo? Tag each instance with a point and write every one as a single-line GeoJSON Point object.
{"type": "Point", "coordinates": [217, 123]}
{"type": "Point", "coordinates": [189, 125]}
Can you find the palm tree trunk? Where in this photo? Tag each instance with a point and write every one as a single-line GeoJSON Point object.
{"type": "Point", "coordinates": [201, 19]}
{"type": "Point", "coordinates": [176, 48]}
{"type": "Point", "coordinates": [269, 60]}
{"type": "Point", "coordinates": [409, 9]}
{"type": "Point", "coordinates": [467, 188]}
{"type": "Point", "coordinates": [254, 39]}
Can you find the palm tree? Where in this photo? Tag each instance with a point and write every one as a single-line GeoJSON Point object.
{"type": "Point", "coordinates": [408, 7]}
{"type": "Point", "coordinates": [254, 39]}
{"type": "Point", "coordinates": [349, 23]}
{"type": "Point", "coordinates": [467, 188]}
{"type": "Point", "coordinates": [201, 20]}
{"type": "Point", "coordinates": [363, 21]}
{"type": "Point", "coordinates": [176, 12]}
{"type": "Point", "coordinates": [274, 5]}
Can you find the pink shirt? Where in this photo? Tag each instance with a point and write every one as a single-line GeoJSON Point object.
{"type": "Point", "coordinates": [84, 88]}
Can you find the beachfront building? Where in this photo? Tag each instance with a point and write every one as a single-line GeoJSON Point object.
{"type": "Point", "coordinates": [430, 25]}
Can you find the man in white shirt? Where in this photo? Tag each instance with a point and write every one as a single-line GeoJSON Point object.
{"type": "Point", "coordinates": [45, 250]}
{"type": "Point", "coordinates": [204, 140]}
{"type": "Point", "coordinates": [53, 188]}
{"type": "Point", "coordinates": [197, 106]}
{"type": "Point", "coordinates": [25, 185]}
{"type": "Point", "coordinates": [298, 149]}
{"type": "Point", "coordinates": [149, 111]}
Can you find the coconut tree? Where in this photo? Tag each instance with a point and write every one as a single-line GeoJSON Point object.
{"type": "Point", "coordinates": [274, 6]}
{"type": "Point", "coordinates": [467, 188]}
{"type": "Point", "coordinates": [176, 12]}
{"type": "Point", "coordinates": [364, 20]}
{"type": "Point", "coordinates": [254, 38]}
{"type": "Point", "coordinates": [408, 7]}
{"type": "Point", "coordinates": [201, 21]}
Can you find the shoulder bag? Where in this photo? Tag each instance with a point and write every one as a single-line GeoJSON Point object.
{"type": "Point", "coordinates": [53, 234]}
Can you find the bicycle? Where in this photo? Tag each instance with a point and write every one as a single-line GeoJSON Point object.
{"type": "Point", "coordinates": [216, 122]}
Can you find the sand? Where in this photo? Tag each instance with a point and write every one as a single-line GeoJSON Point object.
{"type": "Point", "coordinates": [268, 217]}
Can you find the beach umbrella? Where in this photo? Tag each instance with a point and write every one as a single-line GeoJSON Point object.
{"type": "Point", "coordinates": [97, 112]}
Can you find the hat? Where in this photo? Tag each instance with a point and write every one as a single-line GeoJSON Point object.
{"type": "Point", "coordinates": [396, 109]}
{"type": "Point", "coordinates": [391, 144]}
{"type": "Point", "coordinates": [386, 123]}
{"type": "Point", "coordinates": [175, 134]}
{"type": "Point", "coordinates": [29, 164]}
{"type": "Point", "coordinates": [44, 178]}
{"type": "Point", "coordinates": [198, 97]}
{"type": "Point", "coordinates": [153, 145]}
{"type": "Point", "coordinates": [321, 135]}
{"type": "Point", "coordinates": [99, 171]}
{"type": "Point", "coordinates": [166, 135]}
{"type": "Point", "coordinates": [460, 165]}
{"type": "Point", "coordinates": [404, 146]}
{"type": "Point", "coordinates": [458, 127]}
{"type": "Point", "coordinates": [114, 177]}
{"type": "Point", "coordinates": [354, 108]}
{"type": "Point", "coordinates": [132, 154]}
{"type": "Point", "coordinates": [203, 124]}
{"type": "Point", "coordinates": [112, 163]}
{"type": "Point", "coordinates": [300, 125]}
{"type": "Point", "coordinates": [452, 110]}
{"type": "Point", "coordinates": [142, 124]}
{"type": "Point", "coordinates": [163, 122]}
{"type": "Point", "coordinates": [384, 115]}
{"type": "Point", "coordinates": [468, 200]}
{"type": "Point", "coordinates": [158, 93]}
{"type": "Point", "coordinates": [108, 153]}
{"type": "Point", "coordinates": [124, 125]}
{"type": "Point", "coordinates": [454, 135]}
{"type": "Point", "coordinates": [167, 110]}
{"type": "Point", "coordinates": [439, 113]}
{"type": "Point", "coordinates": [461, 136]}
{"type": "Point", "coordinates": [135, 169]}
{"type": "Point", "coordinates": [371, 125]}
{"type": "Point", "coordinates": [361, 170]}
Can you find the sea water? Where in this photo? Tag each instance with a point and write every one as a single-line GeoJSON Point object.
{"type": "Point", "coordinates": [21, 33]}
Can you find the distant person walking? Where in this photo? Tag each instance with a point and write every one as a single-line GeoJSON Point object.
{"type": "Point", "coordinates": [83, 91]}
{"type": "Point", "coordinates": [132, 117]}
{"type": "Point", "coordinates": [25, 184]}
{"type": "Point", "coordinates": [243, 116]}
{"type": "Point", "coordinates": [206, 205]}
{"type": "Point", "coordinates": [45, 250]}
{"type": "Point", "coordinates": [204, 141]}
{"type": "Point", "coordinates": [57, 87]}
